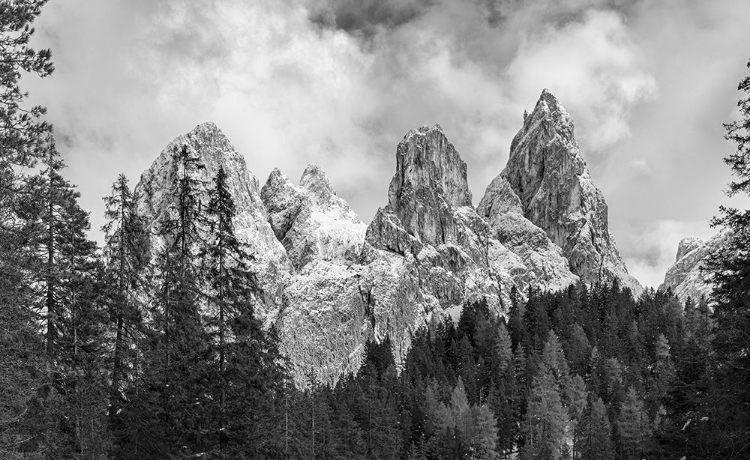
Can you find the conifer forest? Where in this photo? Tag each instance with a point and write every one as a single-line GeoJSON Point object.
{"type": "Point", "coordinates": [123, 349]}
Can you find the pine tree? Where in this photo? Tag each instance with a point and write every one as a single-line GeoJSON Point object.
{"type": "Point", "coordinates": [126, 255]}
{"type": "Point", "coordinates": [633, 426]}
{"type": "Point", "coordinates": [554, 358]}
{"type": "Point", "coordinates": [231, 283]}
{"type": "Point", "coordinates": [482, 438]}
{"type": "Point", "coordinates": [178, 352]}
{"type": "Point", "coordinates": [247, 374]}
{"type": "Point", "coordinates": [544, 424]}
{"type": "Point", "coordinates": [22, 131]}
{"type": "Point", "coordinates": [730, 266]}
{"type": "Point", "coordinates": [502, 351]}
{"type": "Point", "coordinates": [663, 368]}
{"type": "Point", "coordinates": [595, 432]}
{"type": "Point", "coordinates": [69, 303]}
{"type": "Point", "coordinates": [23, 136]}
{"type": "Point", "coordinates": [577, 397]}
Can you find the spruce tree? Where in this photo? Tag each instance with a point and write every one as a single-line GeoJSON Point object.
{"type": "Point", "coordinates": [482, 438]}
{"type": "Point", "coordinates": [633, 426]}
{"type": "Point", "coordinates": [595, 432]}
{"type": "Point", "coordinates": [730, 267]}
{"type": "Point", "coordinates": [69, 301]}
{"type": "Point", "coordinates": [126, 255]}
{"type": "Point", "coordinates": [247, 375]}
{"type": "Point", "coordinates": [545, 420]}
{"type": "Point", "coordinates": [178, 353]}
{"type": "Point", "coordinates": [23, 135]}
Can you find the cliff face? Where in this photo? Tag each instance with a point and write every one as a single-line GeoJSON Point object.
{"type": "Point", "coordinates": [547, 174]}
{"type": "Point", "coordinates": [330, 282]}
{"type": "Point", "coordinates": [685, 277]}
{"type": "Point", "coordinates": [430, 223]}
{"type": "Point", "coordinates": [531, 258]}
{"type": "Point", "coordinates": [426, 251]}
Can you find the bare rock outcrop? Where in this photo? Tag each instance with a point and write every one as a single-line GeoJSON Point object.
{"type": "Point", "coordinates": [530, 258]}
{"type": "Point", "coordinates": [430, 222]}
{"type": "Point", "coordinates": [330, 282]}
{"type": "Point", "coordinates": [310, 220]}
{"type": "Point", "coordinates": [552, 183]}
{"type": "Point", "coordinates": [322, 319]}
{"type": "Point", "coordinates": [687, 277]}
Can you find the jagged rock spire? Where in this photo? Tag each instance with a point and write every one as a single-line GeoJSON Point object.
{"type": "Point", "coordinates": [549, 176]}
{"type": "Point", "coordinates": [430, 178]}
{"type": "Point", "coordinates": [310, 220]}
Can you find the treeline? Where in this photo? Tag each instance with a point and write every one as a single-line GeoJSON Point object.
{"type": "Point", "coordinates": [585, 374]}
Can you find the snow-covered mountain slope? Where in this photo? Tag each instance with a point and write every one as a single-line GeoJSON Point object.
{"type": "Point", "coordinates": [330, 281]}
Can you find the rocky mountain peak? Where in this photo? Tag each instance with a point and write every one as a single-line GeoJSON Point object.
{"type": "Point", "coordinates": [315, 181]}
{"type": "Point", "coordinates": [545, 146]}
{"type": "Point", "coordinates": [686, 245]}
{"type": "Point", "coordinates": [282, 201]}
{"type": "Point", "coordinates": [310, 220]}
{"type": "Point", "coordinates": [156, 192]}
{"type": "Point", "coordinates": [430, 175]}
{"type": "Point", "coordinates": [547, 173]}
{"type": "Point", "coordinates": [208, 144]}
{"type": "Point", "coordinates": [686, 277]}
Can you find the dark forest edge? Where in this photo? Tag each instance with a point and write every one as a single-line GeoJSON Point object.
{"type": "Point", "coordinates": [112, 353]}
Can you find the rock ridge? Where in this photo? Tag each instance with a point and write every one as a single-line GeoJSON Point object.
{"type": "Point", "coordinates": [548, 175]}
{"type": "Point", "coordinates": [331, 281]}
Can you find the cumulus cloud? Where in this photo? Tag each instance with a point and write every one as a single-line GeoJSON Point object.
{"type": "Point", "coordinates": [335, 83]}
{"type": "Point", "coordinates": [594, 65]}
{"type": "Point", "coordinates": [339, 82]}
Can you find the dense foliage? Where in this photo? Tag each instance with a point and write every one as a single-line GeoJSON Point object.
{"type": "Point", "coordinates": [588, 374]}
{"type": "Point", "coordinates": [149, 347]}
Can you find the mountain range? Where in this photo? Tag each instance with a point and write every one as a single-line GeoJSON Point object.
{"type": "Point", "coordinates": [330, 281]}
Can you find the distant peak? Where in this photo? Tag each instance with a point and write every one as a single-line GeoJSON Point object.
{"type": "Point", "coordinates": [546, 93]}
{"type": "Point", "coordinates": [549, 117]}
{"type": "Point", "coordinates": [312, 172]}
{"type": "Point", "coordinates": [314, 179]}
{"type": "Point", "coordinates": [549, 102]}
{"type": "Point", "coordinates": [207, 125]}
{"type": "Point", "coordinates": [423, 130]}
{"type": "Point", "coordinates": [206, 128]}
{"type": "Point", "coordinates": [686, 245]}
{"type": "Point", "coordinates": [277, 176]}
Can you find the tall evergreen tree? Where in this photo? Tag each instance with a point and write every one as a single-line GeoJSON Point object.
{"type": "Point", "coordinates": [595, 432]}
{"type": "Point", "coordinates": [730, 267]}
{"type": "Point", "coordinates": [179, 349]}
{"type": "Point", "coordinates": [70, 305]}
{"type": "Point", "coordinates": [544, 424]}
{"type": "Point", "coordinates": [247, 373]}
{"type": "Point", "coordinates": [23, 135]}
{"type": "Point", "coordinates": [633, 426]}
{"type": "Point", "coordinates": [126, 255]}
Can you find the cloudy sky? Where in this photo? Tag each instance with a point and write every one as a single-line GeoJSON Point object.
{"type": "Point", "coordinates": [339, 82]}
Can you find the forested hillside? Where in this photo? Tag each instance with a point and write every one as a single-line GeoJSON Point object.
{"type": "Point", "coordinates": [137, 350]}
{"type": "Point", "coordinates": [576, 374]}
